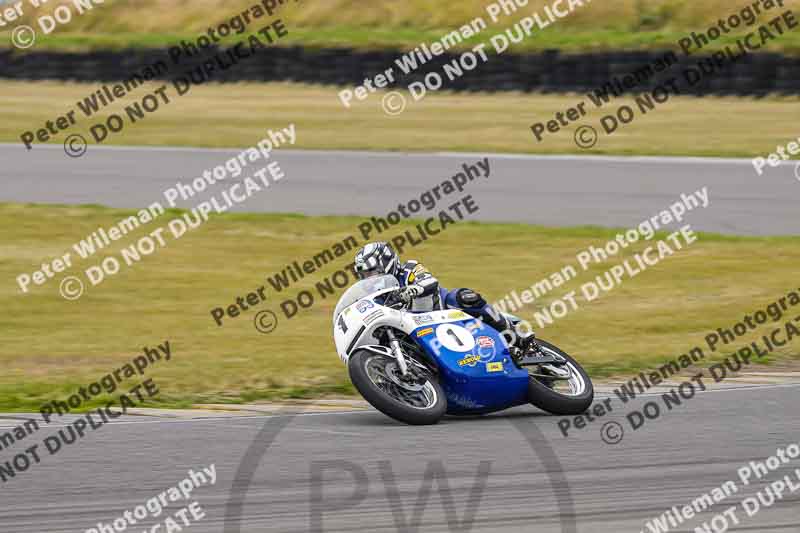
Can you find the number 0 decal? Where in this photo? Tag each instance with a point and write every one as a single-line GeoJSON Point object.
{"type": "Point", "coordinates": [455, 337]}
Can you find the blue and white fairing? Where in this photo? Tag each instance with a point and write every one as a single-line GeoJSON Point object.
{"type": "Point", "coordinates": [475, 367]}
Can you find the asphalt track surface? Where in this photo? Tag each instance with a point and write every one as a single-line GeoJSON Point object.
{"type": "Point", "coordinates": [372, 469]}
{"type": "Point", "coordinates": [534, 478]}
{"type": "Point", "coordinates": [553, 191]}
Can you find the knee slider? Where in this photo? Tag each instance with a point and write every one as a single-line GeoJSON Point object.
{"type": "Point", "coordinates": [469, 298]}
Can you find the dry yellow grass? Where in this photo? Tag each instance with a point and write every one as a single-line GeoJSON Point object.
{"type": "Point", "coordinates": [235, 114]}
{"type": "Point", "coordinates": [49, 346]}
{"type": "Point", "coordinates": [181, 15]}
{"type": "Point", "coordinates": [608, 24]}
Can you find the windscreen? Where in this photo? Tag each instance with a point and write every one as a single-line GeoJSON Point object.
{"type": "Point", "coordinates": [362, 289]}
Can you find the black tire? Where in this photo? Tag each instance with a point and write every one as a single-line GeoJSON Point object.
{"type": "Point", "coordinates": [385, 403]}
{"type": "Point", "coordinates": [554, 402]}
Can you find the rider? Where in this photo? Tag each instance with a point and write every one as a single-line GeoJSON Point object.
{"type": "Point", "coordinates": [422, 290]}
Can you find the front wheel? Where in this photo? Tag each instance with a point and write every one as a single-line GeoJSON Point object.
{"type": "Point", "coordinates": [570, 396]}
{"type": "Point", "coordinates": [377, 377]}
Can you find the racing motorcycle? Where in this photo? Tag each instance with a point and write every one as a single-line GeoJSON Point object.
{"type": "Point", "coordinates": [415, 367]}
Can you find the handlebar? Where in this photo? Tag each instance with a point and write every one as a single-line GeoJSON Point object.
{"type": "Point", "coordinates": [395, 305]}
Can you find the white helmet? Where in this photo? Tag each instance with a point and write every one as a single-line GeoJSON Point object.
{"type": "Point", "coordinates": [376, 258]}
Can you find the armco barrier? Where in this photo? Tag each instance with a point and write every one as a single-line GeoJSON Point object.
{"type": "Point", "coordinates": [548, 71]}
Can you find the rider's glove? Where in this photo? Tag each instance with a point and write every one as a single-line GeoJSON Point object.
{"type": "Point", "coordinates": [410, 292]}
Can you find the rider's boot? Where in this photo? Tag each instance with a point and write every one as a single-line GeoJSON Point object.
{"type": "Point", "coordinates": [524, 341]}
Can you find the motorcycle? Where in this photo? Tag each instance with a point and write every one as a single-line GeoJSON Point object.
{"type": "Point", "coordinates": [416, 367]}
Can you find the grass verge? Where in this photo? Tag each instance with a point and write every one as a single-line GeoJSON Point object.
{"type": "Point", "coordinates": [49, 347]}
{"type": "Point", "coordinates": [570, 41]}
{"type": "Point", "coordinates": [611, 24]}
{"type": "Point", "coordinates": [236, 115]}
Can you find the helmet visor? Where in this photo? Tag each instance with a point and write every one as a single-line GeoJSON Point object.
{"type": "Point", "coordinates": [364, 274]}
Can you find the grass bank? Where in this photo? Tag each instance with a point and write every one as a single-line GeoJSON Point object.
{"type": "Point", "coordinates": [237, 115]}
{"type": "Point", "coordinates": [49, 347]}
{"type": "Point", "coordinates": [611, 24]}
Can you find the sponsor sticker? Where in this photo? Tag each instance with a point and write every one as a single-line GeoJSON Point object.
{"type": "Point", "coordinates": [485, 342]}
{"type": "Point", "coordinates": [373, 316]}
{"type": "Point", "coordinates": [458, 315]}
{"type": "Point", "coordinates": [423, 332]}
{"type": "Point", "coordinates": [494, 367]}
{"type": "Point", "coordinates": [422, 319]}
{"type": "Point", "coordinates": [471, 360]}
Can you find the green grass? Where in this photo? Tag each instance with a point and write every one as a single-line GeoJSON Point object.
{"type": "Point", "coordinates": [570, 41]}
{"type": "Point", "coordinates": [238, 115]}
{"type": "Point", "coordinates": [611, 24]}
{"type": "Point", "coordinates": [50, 346]}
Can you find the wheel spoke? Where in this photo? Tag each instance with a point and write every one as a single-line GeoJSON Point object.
{"type": "Point", "coordinates": [572, 386]}
{"type": "Point", "coordinates": [384, 377]}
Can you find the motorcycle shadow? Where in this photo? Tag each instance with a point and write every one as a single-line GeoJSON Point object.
{"type": "Point", "coordinates": [374, 418]}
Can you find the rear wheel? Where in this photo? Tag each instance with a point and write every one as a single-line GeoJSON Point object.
{"type": "Point", "coordinates": [418, 401]}
{"type": "Point", "coordinates": [568, 395]}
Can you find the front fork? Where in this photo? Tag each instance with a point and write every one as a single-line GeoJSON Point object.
{"type": "Point", "coordinates": [394, 344]}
